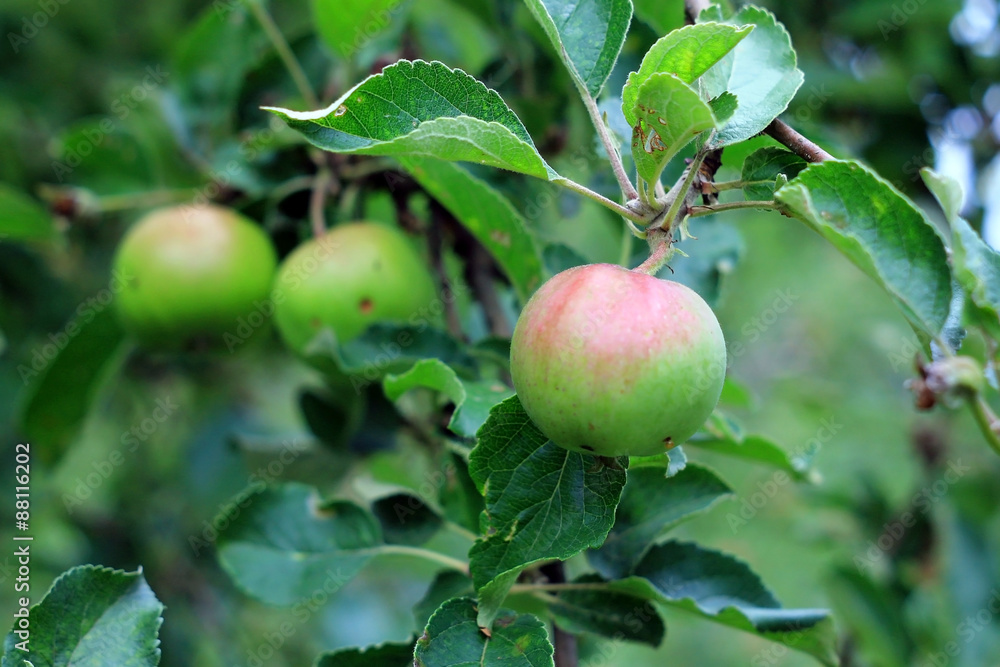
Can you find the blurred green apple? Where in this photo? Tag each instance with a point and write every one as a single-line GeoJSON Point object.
{"type": "Point", "coordinates": [194, 278]}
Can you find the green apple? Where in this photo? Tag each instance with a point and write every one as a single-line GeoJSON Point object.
{"type": "Point", "coordinates": [194, 278]}
{"type": "Point", "coordinates": [357, 274]}
{"type": "Point", "coordinates": [612, 362]}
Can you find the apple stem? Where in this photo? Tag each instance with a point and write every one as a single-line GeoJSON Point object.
{"type": "Point", "coordinates": [659, 254]}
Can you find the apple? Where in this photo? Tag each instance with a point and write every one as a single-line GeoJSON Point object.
{"type": "Point", "coordinates": [355, 275]}
{"type": "Point", "coordinates": [192, 277]}
{"type": "Point", "coordinates": [613, 362]}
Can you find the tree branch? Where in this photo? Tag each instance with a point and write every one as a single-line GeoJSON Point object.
{"type": "Point", "coordinates": [778, 129]}
{"type": "Point", "coordinates": [481, 279]}
{"type": "Point", "coordinates": [795, 142]}
{"type": "Point", "coordinates": [566, 654]}
{"type": "Point", "coordinates": [435, 240]}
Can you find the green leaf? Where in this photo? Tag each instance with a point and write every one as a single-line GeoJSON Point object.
{"type": "Point", "coordinates": [881, 231]}
{"type": "Point", "coordinates": [91, 617]}
{"type": "Point", "coordinates": [346, 25]}
{"type": "Point", "coordinates": [722, 435]}
{"type": "Point", "coordinates": [677, 461]}
{"type": "Point", "coordinates": [488, 216]}
{"type": "Point", "coordinates": [387, 348]}
{"type": "Point", "coordinates": [761, 170]}
{"type": "Point", "coordinates": [607, 614]}
{"type": "Point", "coordinates": [406, 519]}
{"type": "Point", "coordinates": [977, 270]}
{"type": "Point", "coordinates": [946, 190]}
{"type": "Point", "coordinates": [761, 72]}
{"type": "Point", "coordinates": [473, 400]}
{"type": "Point", "coordinates": [310, 461]}
{"type": "Point", "coordinates": [331, 419]}
{"type": "Point", "coordinates": [421, 108]}
{"type": "Point", "coordinates": [686, 53]}
{"type": "Point", "coordinates": [284, 544]}
{"type": "Point", "coordinates": [446, 585]}
{"type": "Point", "coordinates": [723, 589]}
{"type": "Point", "coordinates": [724, 106]}
{"type": "Point", "coordinates": [670, 114]}
{"type": "Point", "coordinates": [207, 71]}
{"type": "Point", "coordinates": [650, 507]}
{"type": "Point", "coordinates": [459, 497]}
{"type": "Point", "coordinates": [389, 654]}
{"type": "Point", "coordinates": [22, 218]}
{"type": "Point", "coordinates": [872, 613]}
{"type": "Point", "coordinates": [736, 394]}
{"type": "Point", "coordinates": [466, 39]}
{"type": "Point", "coordinates": [559, 257]}
{"type": "Point", "coordinates": [661, 15]}
{"type": "Point", "coordinates": [587, 34]}
{"type": "Point", "coordinates": [453, 639]}
{"type": "Point", "coordinates": [62, 388]}
{"type": "Point", "coordinates": [542, 501]}
{"type": "Point", "coordinates": [975, 265]}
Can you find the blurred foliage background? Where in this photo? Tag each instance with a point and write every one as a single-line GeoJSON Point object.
{"type": "Point", "coordinates": [107, 108]}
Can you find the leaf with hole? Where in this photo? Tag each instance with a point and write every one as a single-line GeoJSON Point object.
{"type": "Point", "coordinates": [686, 53]}
{"type": "Point", "coordinates": [453, 638]}
{"type": "Point", "coordinates": [670, 114]}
